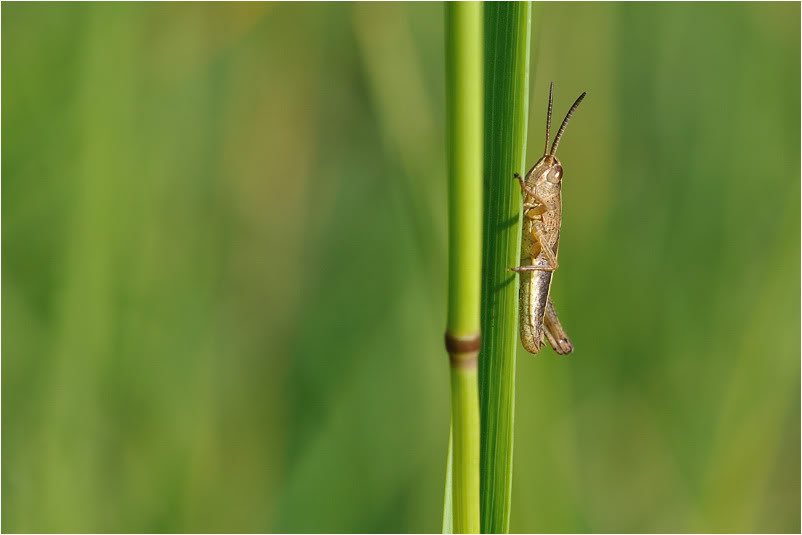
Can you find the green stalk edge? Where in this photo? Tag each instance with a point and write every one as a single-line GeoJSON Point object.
{"type": "Point", "coordinates": [507, 41]}
{"type": "Point", "coordinates": [464, 89]}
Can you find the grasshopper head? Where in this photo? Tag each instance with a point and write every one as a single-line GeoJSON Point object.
{"type": "Point", "coordinates": [553, 171]}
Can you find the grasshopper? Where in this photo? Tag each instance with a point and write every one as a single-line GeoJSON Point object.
{"type": "Point", "coordinates": [539, 244]}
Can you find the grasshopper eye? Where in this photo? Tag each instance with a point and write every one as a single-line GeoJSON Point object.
{"type": "Point", "coordinates": [555, 174]}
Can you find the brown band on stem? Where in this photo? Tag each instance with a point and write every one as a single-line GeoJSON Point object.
{"type": "Point", "coordinates": [463, 344]}
{"type": "Point", "coordinates": [465, 361]}
{"type": "Point", "coordinates": [463, 351]}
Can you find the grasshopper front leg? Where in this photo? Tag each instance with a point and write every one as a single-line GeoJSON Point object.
{"type": "Point", "coordinates": [531, 193]}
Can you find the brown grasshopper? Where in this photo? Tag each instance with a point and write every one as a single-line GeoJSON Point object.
{"type": "Point", "coordinates": [540, 243]}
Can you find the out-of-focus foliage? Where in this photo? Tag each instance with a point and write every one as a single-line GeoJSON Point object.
{"type": "Point", "coordinates": [223, 243]}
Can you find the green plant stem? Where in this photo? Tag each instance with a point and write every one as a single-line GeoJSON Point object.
{"type": "Point", "coordinates": [465, 473]}
{"type": "Point", "coordinates": [507, 41]}
{"type": "Point", "coordinates": [464, 88]}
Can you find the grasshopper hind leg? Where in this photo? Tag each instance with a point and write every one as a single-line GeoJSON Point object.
{"type": "Point", "coordinates": [555, 333]}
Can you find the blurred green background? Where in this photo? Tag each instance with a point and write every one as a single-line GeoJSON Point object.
{"type": "Point", "coordinates": [224, 270]}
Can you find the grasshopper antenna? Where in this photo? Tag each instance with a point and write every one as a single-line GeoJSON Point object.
{"type": "Point", "coordinates": [565, 122]}
{"type": "Point", "coordinates": [548, 118]}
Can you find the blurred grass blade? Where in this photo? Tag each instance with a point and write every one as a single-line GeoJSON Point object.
{"type": "Point", "coordinates": [464, 88]}
{"type": "Point", "coordinates": [507, 38]}
{"type": "Point", "coordinates": [448, 500]}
